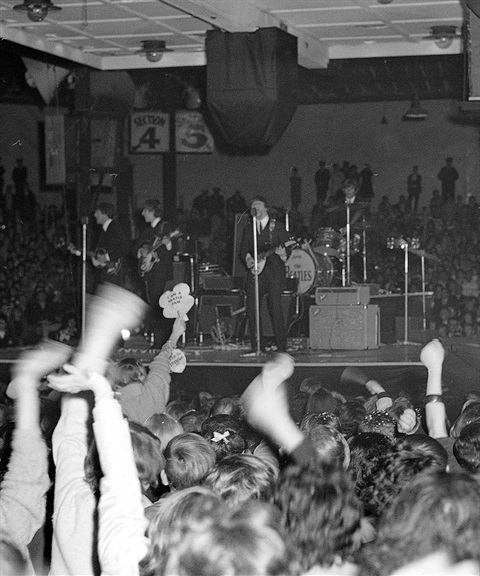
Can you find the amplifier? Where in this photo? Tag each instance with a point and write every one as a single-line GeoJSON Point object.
{"type": "Point", "coordinates": [216, 282]}
{"type": "Point", "coordinates": [348, 296]}
{"type": "Point", "coordinates": [344, 327]}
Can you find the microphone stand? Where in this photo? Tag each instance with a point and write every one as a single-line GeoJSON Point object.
{"type": "Point", "coordinates": [348, 243]}
{"type": "Point", "coordinates": [255, 279]}
{"type": "Point", "coordinates": [364, 251]}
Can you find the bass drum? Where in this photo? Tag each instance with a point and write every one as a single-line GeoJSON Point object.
{"type": "Point", "coordinates": [311, 272]}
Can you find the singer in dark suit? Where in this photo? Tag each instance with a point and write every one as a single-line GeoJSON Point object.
{"type": "Point", "coordinates": [271, 238]}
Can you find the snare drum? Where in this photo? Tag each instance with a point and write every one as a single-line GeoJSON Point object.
{"type": "Point", "coordinates": [311, 271]}
{"type": "Point", "coordinates": [326, 241]}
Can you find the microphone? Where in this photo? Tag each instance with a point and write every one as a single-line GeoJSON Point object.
{"type": "Point", "coordinates": [253, 211]}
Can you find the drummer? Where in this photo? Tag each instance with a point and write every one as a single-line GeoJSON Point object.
{"type": "Point", "coordinates": [338, 220]}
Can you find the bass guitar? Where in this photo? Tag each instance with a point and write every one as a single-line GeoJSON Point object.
{"type": "Point", "coordinates": [100, 259]}
{"type": "Point", "coordinates": [147, 254]}
{"type": "Point", "coordinates": [262, 256]}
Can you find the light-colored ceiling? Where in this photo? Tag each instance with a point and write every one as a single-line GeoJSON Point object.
{"type": "Point", "coordinates": [106, 34]}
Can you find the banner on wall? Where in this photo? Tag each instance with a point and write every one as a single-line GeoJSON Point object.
{"type": "Point", "coordinates": [103, 134]}
{"type": "Point", "coordinates": [149, 132]}
{"type": "Point", "coordinates": [55, 172]}
{"type": "Point", "coordinates": [192, 134]}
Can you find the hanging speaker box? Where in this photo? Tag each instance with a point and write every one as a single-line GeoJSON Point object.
{"type": "Point", "coordinates": [252, 85]}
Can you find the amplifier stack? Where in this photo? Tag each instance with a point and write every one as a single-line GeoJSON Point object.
{"type": "Point", "coordinates": [343, 319]}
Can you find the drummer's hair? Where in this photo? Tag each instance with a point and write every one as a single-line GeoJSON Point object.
{"type": "Point", "coordinates": [260, 198]}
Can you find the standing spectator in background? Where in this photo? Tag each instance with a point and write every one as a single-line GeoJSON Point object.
{"type": "Point", "coordinates": [2, 181]}
{"type": "Point", "coordinates": [295, 188]}
{"type": "Point", "coordinates": [336, 181]}
{"type": "Point", "coordinates": [414, 187]}
{"type": "Point", "coordinates": [322, 180]}
{"type": "Point", "coordinates": [236, 203]}
{"type": "Point", "coordinates": [366, 183]}
{"type": "Point", "coordinates": [216, 203]}
{"type": "Point", "coordinates": [448, 175]}
{"type": "Point", "coordinates": [25, 204]}
{"type": "Point", "coordinates": [436, 204]}
{"type": "Point", "coordinates": [19, 177]}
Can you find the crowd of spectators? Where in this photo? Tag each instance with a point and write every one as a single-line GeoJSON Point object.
{"type": "Point", "coordinates": [280, 481]}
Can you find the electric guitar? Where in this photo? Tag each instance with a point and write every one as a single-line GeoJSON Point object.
{"type": "Point", "coordinates": [262, 256]}
{"type": "Point", "coordinates": [147, 254]}
{"type": "Point", "coordinates": [100, 259]}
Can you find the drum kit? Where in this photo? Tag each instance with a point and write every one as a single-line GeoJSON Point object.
{"type": "Point", "coordinates": [322, 262]}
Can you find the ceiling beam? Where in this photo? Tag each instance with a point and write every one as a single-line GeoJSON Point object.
{"type": "Point", "coordinates": [246, 16]}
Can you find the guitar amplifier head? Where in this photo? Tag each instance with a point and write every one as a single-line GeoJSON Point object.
{"type": "Point", "coordinates": [345, 296]}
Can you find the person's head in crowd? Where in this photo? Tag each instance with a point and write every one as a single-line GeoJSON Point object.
{"type": "Point", "coordinates": [313, 419]}
{"type": "Point", "coordinates": [164, 427]}
{"type": "Point", "coordinates": [240, 477]}
{"type": "Point", "coordinates": [368, 451]}
{"type": "Point", "coordinates": [177, 408]}
{"type": "Point", "coordinates": [379, 421]}
{"type": "Point", "coordinates": [192, 421]}
{"type": "Point", "coordinates": [321, 400]}
{"type": "Point", "coordinates": [330, 445]}
{"type": "Point", "coordinates": [169, 517]}
{"type": "Point", "coordinates": [423, 444]}
{"type": "Point", "coordinates": [297, 403]}
{"type": "Point", "coordinates": [127, 371]}
{"type": "Point", "coordinates": [350, 414]}
{"type": "Point", "coordinates": [310, 385]}
{"type": "Point", "coordinates": [232, 543]}
{"type": "Point", "coordinates": [206, 401]}
{"type": "Point", "coordinates": [439, 512]}
{"type": "Point", "coordinates": [226, 405]}
{"type": "Point", "coordinates": [470, 413]}
{"type": "Point", "coordinates": [466, 448]}
{"type": "Point", "coordinates": [320, 512]}
{"type": "Point", "coordinates": [147, 452]}
{"type": "Point", "coordinates": [226, 435]}
{"type": "Point", "coordinates": [188, 459]}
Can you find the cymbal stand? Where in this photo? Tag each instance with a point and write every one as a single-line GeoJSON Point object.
{"type": "Point", "coordinates": [424, 300]}
{"type": "Point", "coordinates": [257, 290]}
{"type": "Point", "coordinates": [84, 276]}
{"type": "Point", "coordinates": [405, 246]}
{"type": "Point", "coordinates": [364, 251]}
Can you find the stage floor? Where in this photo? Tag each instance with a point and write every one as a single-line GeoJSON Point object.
{"type": "Point", "coordinates": [229, 371]}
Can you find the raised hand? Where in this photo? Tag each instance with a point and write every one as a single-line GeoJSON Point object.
{"type": "Point", "coordinates": [433, 354]}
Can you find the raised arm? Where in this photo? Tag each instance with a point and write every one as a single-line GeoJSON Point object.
{"type": "Point", "coordinates": [140, 401]}
{"type": "Point", "coordinates": [23, 490]}
{"type": "Point", "coordinates": [432, 356]}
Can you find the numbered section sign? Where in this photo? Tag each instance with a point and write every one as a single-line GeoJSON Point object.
{"type": "Point", "coordinates": [149, 132]}
{"type": "Point", "coordinates": [192, 134]}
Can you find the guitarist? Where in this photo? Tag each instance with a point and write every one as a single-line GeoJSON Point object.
{"type": "Point", "coordinates": [271, 238]}
{"type": "Point", "coordinates": [112, 246]}
{"type": "Point", "coordinates": [155, 247]}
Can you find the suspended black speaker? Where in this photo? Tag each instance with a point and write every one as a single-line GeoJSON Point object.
{"type": "Point", "coordinates": [252, 85]}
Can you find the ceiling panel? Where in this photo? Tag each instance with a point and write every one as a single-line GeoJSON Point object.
{"type": "Point", "coordinates": [89, 32]}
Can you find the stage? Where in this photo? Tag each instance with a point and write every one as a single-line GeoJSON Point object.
{"type": "Point", "coordinates": [228, 371]}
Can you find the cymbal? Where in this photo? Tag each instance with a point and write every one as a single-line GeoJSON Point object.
{"type": "Point", "coordinates": [344, 205]}
{"type": "Point", "coordinates": [423, 254]}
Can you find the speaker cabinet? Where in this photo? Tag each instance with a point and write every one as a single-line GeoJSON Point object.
{"type": "Point", "coordinates": [344, 327]}
{"type": "Point", "coordinates": [222, 306]}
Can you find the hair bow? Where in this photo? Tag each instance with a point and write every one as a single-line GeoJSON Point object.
{"type": "Point", "coordinates": [217, 437]}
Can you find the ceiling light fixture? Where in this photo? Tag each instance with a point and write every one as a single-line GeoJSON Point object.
{"type": "Point", "coordinates": [443, 35]}
{"type": "Point", "coordinates": [384, 1]}
{"type": "Point", "coordinates": [153, 50]}
{"type": "Point", "coordinates": [415, 112]}
{"type": "Point", "coordinates": [36, 10]}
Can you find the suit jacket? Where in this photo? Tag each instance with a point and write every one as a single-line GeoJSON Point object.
{"type": "Point", "coordinates": [273, 235]}
{"type": "Point", "coordinates": [114, 241]}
